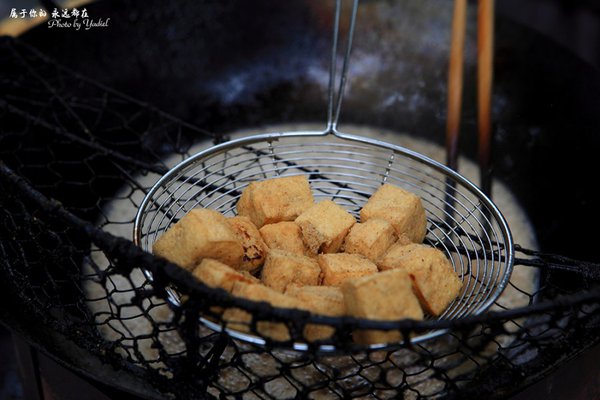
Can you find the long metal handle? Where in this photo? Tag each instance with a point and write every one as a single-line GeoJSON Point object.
{"type": "Point", "coordinates": [333, 112]}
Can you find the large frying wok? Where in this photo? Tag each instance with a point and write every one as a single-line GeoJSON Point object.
{"type": "Point", "coordinates": [239, 64]}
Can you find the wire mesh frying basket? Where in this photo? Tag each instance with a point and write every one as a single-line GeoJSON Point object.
{"type": "Point", "coordinates": [347, 169]}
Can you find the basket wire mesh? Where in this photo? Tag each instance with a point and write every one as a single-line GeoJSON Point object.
{"type": "Point", "coordinates": [347, 170]}
{"type": "Point", "coordinates": [462, 221]}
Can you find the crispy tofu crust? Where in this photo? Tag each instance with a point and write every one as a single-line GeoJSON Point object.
{"type": "Point", "coordinates": [370, 239]}
{"type": "Point", "coordinates": [275, 200]}
{"type": "Point", "coordinates": [255, 249]}
{"type": "Point", "coordinates": [201, 233]}
{"type": "Point", "coordinates": [323, 300]}
{"type": "Point", "coordinates": [239, 319]}
{"type": "Point", "coordinates": [386, 296]}
{"type": "Point", "coordinates": [324, 227]}
{"type": "Point", "coordinates": [336, 268]}
{"type": "Point", "coordinates": [434, 280]}
{"type": "Point", "coordinates": [285, 236]}
{"type": "Point", "coordinates": [404, 210]}
{"type": "Point", "coordinates": [218, 275]}
{"type": "Point", "coordinates": [284, 268]}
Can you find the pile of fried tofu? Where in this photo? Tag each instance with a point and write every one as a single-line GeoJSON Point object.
{"type": "Point", "coordinates": [287, 250]}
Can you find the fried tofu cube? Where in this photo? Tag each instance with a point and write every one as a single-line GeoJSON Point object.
{"type": "Point", "coordinates": [201, 233]}
{"type": "Point", "coordinates": [215, 274]}
{"type": "Point", "coordinates": [285, 236]}
{"type": "Point", "coordinates": [324, 227]}
{"type": "Point", "coordinates": [240, 320]}
{"type": "Point", "coordinates": [323, 300]}
{"type": "Point", "coordinates": [218, 275]}
{"type": "Point", "coordinates": [370, 239]}
{"type": "Point", "coordinates": [283, 268]}
{"type": "Point", "coordinates": [403, 240]}
{"type": "Point", "coordinates": [434, 280]}
{"type": "Point", "coordinates": [336, 268]}
{"type": "Point", "coordinates": [255, 249]}
{"type": "Point", "coordinates": [390, 260]}
{"type": "Point", "coordinates": [404, 210]}
{"type": "Point", "coordinates": [386, 296]}
{"type": "Point", "coordinates": [275, 200]}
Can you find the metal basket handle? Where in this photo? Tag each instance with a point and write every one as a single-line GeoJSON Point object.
{"type": "Point", "coordinates": [333, 112]}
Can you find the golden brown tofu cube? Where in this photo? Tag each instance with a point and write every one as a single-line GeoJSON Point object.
{"type": "Point", "coordinates": [285, 236]}
{"type": "Point", "coordinates": [370, 239]}
{"type": "Point", "coordinates": [403, 240]}
{"type": "Point", "coordinates": [324, 227]}
{"type": "Point", "coordinates": [283, 268]}
{"type": "Point", "coordinates": [215, 274]}
{"type": "Point", "coordinates": [434, 280]}
{"type": "Point", "coordinates": [391, 258]}
{"type": "Point", "coordinates": [336, 268]}
{"type": "Point", "coordinates": [275, 200]}
{"type": "Point", "coordinates": [201, 233]}
{"type": "Point", "coordinates": [323, 300]}
{"type": "Point", "coordinates": [386, 296]}
{"type": "Point", "coordinates": [255, 249]}
{"type": "Point", "coordinates": [404, 210]}
{"type": "Point", "coordinates": [218, 275]}
{"type": "Point", "coordinates": [240, 320]}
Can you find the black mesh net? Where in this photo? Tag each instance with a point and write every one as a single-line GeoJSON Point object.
{"type": "Point", "coordinates": [70, 147]}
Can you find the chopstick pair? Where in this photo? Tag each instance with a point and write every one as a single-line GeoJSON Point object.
{"type": "Point", "coordinates": [485, 58]}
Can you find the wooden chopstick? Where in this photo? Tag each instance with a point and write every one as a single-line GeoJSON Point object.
{"type": "Point", "coordinates": [455, 82]}
{"type": "Point", "coordinates": [485, 59]}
